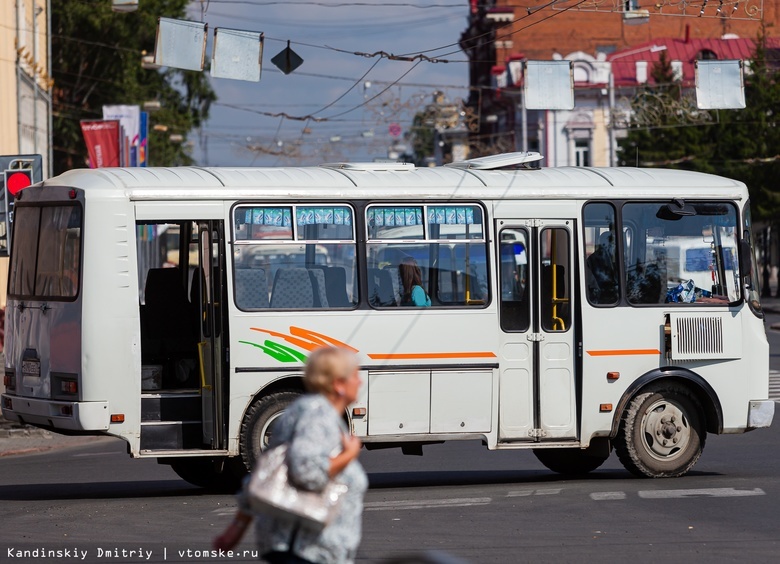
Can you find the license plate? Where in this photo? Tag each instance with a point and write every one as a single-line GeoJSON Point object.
{"type": "Point", "coordinates": [31, 368]}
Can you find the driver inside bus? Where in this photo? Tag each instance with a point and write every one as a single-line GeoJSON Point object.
{"type": "Point", "coordinates": [602, 271]}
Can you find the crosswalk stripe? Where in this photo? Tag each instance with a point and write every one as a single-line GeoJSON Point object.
{"type": "Point", "coordinates": [524, 493]}
{"type": "Point", "coordinates": [607, 496]}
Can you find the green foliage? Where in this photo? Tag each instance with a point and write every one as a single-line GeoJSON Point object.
{"type": "Point", "coordinates": [96, 61]}
{"type": "Point", "coordinates": [740, 144]}
{"type": "Point", "coordinates": [421, 137]}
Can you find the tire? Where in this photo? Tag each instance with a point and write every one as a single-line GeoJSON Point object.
{"type": "Point", "coordinates": [570, 461]}
{"type": "Point", "coordinates": [661, 433]}
{"type": "Point", "coordinates": [257, 426]}
{"type": "Point", "coordinates": [208, 473]}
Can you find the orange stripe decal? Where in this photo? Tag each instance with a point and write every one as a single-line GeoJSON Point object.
{"type": "Point", "coordinates": [624, 352]}
{"type": "Point", "coordinates": [428, 356]}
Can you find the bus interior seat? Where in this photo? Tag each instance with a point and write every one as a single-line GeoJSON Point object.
{"type": "Point", "coordinates": [317, 276]}
{"type": "Point", "coordinates": [380, 288]}
{"type": "Point", "coordinates": [166, 322]}
{"type": "Point", "coordinates": [336, 286]}
{"type": "Point", "coordinates": [292, 289]}
{"type": "Point", "coordinates": [251, 288]}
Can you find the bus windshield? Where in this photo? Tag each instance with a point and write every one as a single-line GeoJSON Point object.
{"type": "Point", "coordinates": [46, 252]}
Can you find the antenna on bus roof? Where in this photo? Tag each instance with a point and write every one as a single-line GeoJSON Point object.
{"type": "Point", "coordinates": [517, 160]}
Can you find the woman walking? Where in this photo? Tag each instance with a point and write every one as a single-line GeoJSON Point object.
{"type": "Point", "coordinates": [319, 449]}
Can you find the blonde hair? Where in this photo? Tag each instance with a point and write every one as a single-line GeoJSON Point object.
{"type": "Point", "coordinates": [327, 365]}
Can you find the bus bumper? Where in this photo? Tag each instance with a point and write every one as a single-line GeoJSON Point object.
{"type": "Point", "coordinates": [65, 415]}
{"type": "Point", "coordinates": [760, 413]}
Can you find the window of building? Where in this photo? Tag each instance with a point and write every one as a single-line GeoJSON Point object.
{"type": "Point", "coordinates": [582, 152]}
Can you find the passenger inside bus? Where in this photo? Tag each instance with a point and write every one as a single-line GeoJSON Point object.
{"type": "Point", "coordinates": [602, 271]}
{"type": "Point", "coordinates": [411, 277]}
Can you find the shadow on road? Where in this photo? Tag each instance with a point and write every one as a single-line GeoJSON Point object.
{"type": "Point", "coordinates": [99, 490]}
{"type": "Point", "coordinates": [380, 480]}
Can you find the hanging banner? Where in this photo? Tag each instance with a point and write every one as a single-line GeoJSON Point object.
{"type": "Point", "coordinates": [143, 143]}
{"type": "Point", "coordinates": [130, 119]}
{"type": "Point", "coordinates": [102, 139]}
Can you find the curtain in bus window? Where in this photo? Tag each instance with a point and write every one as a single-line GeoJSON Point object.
{"type": "Point", "coordinates": [25, 250]}
{"type": "Point", "coordinates": [57, 271]}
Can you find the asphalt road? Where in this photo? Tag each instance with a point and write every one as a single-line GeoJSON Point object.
{"type": "Point", "coordinates": [92, 503]}
{"type": "Point", "coordinates": [473, 504]}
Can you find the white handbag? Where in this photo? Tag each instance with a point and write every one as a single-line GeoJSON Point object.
{"type": "Point", "coordinates": [271, 493]}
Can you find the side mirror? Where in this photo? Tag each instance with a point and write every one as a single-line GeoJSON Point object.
{"type": "Point", "coordinates": [746, 262]}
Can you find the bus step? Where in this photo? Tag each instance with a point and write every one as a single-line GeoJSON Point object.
{"type": "Point", "coordinates": [170, 435]}
{"type": "Point", "coordinates": [170, 407]}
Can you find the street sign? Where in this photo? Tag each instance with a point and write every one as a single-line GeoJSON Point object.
{"type": "Point", "coordinates": [18, 172]}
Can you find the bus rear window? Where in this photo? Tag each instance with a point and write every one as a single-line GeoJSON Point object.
{"type": "Point", "coordinates": [46, 252]}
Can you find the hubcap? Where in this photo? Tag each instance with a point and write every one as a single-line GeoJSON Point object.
{"type": "Point", "coordinates": [666, 430]}
{"type": "Point", "coordinates": [266, 431]}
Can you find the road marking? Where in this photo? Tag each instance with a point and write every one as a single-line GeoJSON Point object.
{"type": "Point", "coordinates": [607, 496]}
{"type": "Point", "coordinates": [525, 493]}
{"type": "Point", "coordinates": [774, 385]}
{"type": "Point", "coordinates": [224, 511]}
{"type": "Point", "coordinates": [702, 492]}
{"type": "Point", "coordinates": [424, 504]}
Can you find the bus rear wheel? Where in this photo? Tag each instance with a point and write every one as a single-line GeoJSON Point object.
{"type": "Point", "coordinates": [258, 424]}
{"type": "Point", "coordinates": [661, 433]}
{"type": "Point", "coordinates": [570, 461]}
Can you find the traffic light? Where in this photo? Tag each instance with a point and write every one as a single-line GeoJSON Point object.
{"type": "Point", "coordinates": [16, 180]}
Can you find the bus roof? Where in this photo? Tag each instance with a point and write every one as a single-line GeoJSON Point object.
{"type": "Point", "coordinates": [186, 183]}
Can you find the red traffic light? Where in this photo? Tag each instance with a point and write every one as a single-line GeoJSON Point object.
{"type": "Point", "coordinates": [16, 180]}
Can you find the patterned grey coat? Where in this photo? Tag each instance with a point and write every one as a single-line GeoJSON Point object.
{"type": "Point", "coordinates": [312, 430]}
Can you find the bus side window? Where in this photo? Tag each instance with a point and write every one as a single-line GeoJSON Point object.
{"type": "Point", "coordinates": [601, 250]}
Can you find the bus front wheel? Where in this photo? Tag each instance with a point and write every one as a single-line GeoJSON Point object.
{"type": "Point", "coordinates": [570, 461]}
{"type": "Point", "coordinates": [661, 433]}
{"type": "Point", "coordinates": [258, 424]}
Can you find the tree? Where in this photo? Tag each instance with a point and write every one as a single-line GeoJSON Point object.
{"type": "Point", "coordinates": [97, 61]}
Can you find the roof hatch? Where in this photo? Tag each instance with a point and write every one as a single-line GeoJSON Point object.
{"type": "Point", "coordinates": [516, 160]}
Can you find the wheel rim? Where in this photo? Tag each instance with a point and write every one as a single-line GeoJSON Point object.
{"type": "Point", "coordinates": [266, 432]}
{"type": "Point", "coordinates": [666, 430]}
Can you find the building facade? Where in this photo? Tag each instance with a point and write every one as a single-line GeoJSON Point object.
{"type": "Point", "coordinates": [612, 47]}
{"type": "Point", "coordinates": [25, 87]}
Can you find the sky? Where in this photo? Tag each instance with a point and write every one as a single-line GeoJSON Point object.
{"type": "Point", "coordinates": [368, 95]}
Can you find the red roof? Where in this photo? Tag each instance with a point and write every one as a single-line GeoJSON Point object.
{"type": "Point", "coordinates": [624, 62]}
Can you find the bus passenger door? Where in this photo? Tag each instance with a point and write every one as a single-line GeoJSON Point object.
{"type": "Point", "coordinates": [537, 388]}
{"type": "Point", "coordinates": [211, 331]}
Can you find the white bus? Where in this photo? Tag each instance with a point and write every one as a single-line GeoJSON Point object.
{"type": "Point", "coordinates": [546, 331]}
